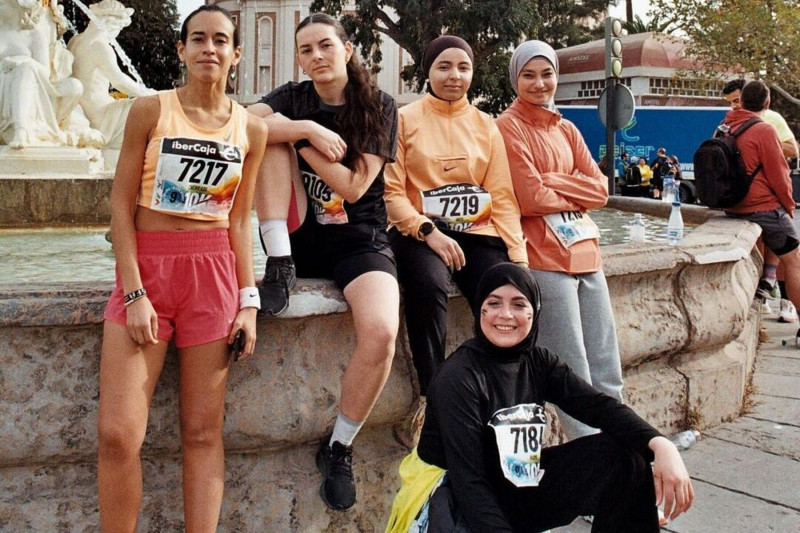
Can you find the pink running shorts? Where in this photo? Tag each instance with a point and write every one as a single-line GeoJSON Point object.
{"type": "Point", "coordinates": [190, 278]}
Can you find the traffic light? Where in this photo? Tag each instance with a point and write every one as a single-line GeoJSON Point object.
{"type": "Point", "coordinates": [613, 47]}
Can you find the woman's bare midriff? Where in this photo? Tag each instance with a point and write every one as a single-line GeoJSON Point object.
{"type": "Point", "coordinates": [149, 220]}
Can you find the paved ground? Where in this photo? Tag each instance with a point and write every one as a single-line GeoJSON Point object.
{"type": "Point", "coordinates": [746, 473]}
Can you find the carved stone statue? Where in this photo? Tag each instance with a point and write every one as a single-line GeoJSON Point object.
{"type": "Point", "coordinates": [37, 94]}
{"type": "Point", "coordinates": [96, 67]}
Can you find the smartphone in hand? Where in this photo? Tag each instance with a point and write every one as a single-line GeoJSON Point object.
{"type": "Point", "coordinates": [236, 348]}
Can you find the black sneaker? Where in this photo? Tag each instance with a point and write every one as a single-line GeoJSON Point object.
{"type": "Point", "coordinates": [335, 463]}
{"type": "Point", "coordinates": [767, 290]}
{"type": "Point", "coordinates": [279, 279]}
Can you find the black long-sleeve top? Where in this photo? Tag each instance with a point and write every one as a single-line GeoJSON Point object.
{"type": "Point", "coordinates": [471, 385]}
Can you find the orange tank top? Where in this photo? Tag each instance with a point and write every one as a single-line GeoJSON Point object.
{"type": "Point", "coordinates": [190, 171]}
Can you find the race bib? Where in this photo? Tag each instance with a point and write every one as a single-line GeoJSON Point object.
{"type": "Point", "coordinates": [458, 207]}
{"type": "Point", "coordinates": [572, 226]}
{"type": "Point", "coordinates": [328, 206]}
{"type": "Point", "coordinates": [519, 431]}
{"type": "Point", "coordinates": [196, 176]}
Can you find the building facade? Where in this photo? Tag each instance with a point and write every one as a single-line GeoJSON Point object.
{"type": "Point", "coordinates": [649, 66]}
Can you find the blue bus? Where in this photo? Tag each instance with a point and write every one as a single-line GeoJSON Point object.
{"type": "Point", "coordinates": [679, 129]}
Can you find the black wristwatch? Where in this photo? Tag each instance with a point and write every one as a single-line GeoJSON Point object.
{"type": "Point", "coordinates": [425, 229]}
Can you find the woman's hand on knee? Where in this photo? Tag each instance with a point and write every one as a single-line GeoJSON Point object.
{"type": "Point", "coordinates": [673, 484]}
{"type": "Point", "coordinates": [142, 321]}
{"type": "Point", "coordinates": [246, 321]}
{"type": "Point", "coordinates": [447, 249]}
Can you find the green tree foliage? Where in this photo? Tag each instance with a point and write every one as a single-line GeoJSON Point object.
{"type": "Point", "coordinates": [149, 41]}
{"type": "Point", "coordinates": [492, 28]}
{"type": "Point", "coordinates": [742, 38]}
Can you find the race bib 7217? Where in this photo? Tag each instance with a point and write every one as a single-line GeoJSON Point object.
{"type": "Point", "coordinates": [196, 176]}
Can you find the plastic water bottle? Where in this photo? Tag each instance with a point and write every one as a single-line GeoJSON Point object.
{"type": "Point", "coordinates": [675, 224]}
{"type": "Point", "coordinates": [637, 229]}
{"type": "Point", "coordinates": [668, 190]}
{"type": "Point", "coordinates": [686, 439]}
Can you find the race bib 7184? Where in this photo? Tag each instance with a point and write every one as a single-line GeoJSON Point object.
{"type": "Point", "coordinates": [519, 431]}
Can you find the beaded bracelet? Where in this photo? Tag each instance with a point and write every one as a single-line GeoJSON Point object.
{"type": "Point", "coordinates": [133, 296]}
{"type": "Point", "coordinates": [249, 297]}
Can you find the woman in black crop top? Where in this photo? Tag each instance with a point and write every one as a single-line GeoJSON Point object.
{"type": "Point", "coordinates": [328, 189]}
{"type": "Point", "coordinates": [484, 427]}
{"type": "Point", "coordinates": [184, 273]}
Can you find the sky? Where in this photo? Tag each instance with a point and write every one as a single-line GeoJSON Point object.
{"type": "Point", "coordinates": [640, 7]}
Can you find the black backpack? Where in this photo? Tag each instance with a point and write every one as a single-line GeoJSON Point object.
{"type": "Point", "coordinates": [633, 176]}
{"type": "Point", "coordinates": [720, 176]}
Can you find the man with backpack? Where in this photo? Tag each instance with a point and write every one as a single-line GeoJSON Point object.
{"type": "Point", "coordinates": [768, 201]}
{"type": "Point", "coordinates": [661, 167]}
{"type": "Point", "coordinates": [768, 285]}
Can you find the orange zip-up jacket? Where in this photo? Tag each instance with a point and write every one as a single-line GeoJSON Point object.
{"type": "Point", "coordinates": [442, 143]}
{"type": "Point", "coordinates": [552, 171]}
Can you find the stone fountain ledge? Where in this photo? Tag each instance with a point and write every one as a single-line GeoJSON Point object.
{"type": "Point", "coordinates": [688, 330]}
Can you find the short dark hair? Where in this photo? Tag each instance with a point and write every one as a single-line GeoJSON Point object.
{"type": "Point", "coordinates": [733, 85]}
{"type": "Point", "coordinates": [213, 8]}
{"type": "Point", "coordinates": [755, 95]}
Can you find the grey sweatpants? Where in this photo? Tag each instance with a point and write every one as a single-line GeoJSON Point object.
{"type": "Point", "coordinates": [577, 325]}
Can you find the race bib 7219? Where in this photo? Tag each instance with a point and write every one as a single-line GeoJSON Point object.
{"type": "Point", "coordinates": [459, 206]}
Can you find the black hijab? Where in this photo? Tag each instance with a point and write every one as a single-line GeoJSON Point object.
{"type": "Point", "coordinates": [435, 49]}
{"type": "Point", "coordinates": [497, 276]}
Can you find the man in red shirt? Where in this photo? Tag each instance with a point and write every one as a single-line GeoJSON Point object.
{"type": "Point", "coordinates": [769, 201]}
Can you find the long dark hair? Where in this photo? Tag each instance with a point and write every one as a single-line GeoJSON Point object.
{"type": "Point", "coordinates": [362, 116]}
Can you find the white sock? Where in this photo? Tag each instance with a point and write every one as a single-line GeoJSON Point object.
{"type": "Point", "coordinates": [345, 430]}
{"type": "Point", "coordinates": [275, 237]}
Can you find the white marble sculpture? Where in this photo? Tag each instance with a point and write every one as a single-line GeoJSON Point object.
{"type": "Point", "coordinates": [37, 94]}
{"type": "Point", "coordinates": [96, 67]}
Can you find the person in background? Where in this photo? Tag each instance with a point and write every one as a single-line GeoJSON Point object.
{"type": "Point", "coordinates": [647, 174]}
{"type": "Point", "coordinates": [184, 271]}
{"type": "Point", "coordinates": [556, 183]}
{"type": "Point", "coordinates": [450, 200]}
{"type": "Point", "coordinates": [660, 167]}
{"type": "Point", "coordinates": [480, 465]}
{"type": "Point", "coordinates": [623, 162]}
{"type": "Point", "coordinates": [331, 138]}
{"type": "Point", "coordinates": [768, 287]}
{"type": "Point", "coordinates": [769, 202]}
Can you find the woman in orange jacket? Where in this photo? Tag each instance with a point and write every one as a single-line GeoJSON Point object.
{"type": "Point", "coordinates": [556, 183]}
{"type": "Point", "coordinates": [449, 199]}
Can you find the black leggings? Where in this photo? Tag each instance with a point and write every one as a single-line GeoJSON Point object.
{"type": "Point", "coordinates": [593, 475]}
{"type": "Point", "coordinates": [426, 282]}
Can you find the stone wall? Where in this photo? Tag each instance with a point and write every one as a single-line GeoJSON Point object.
{"type": "Point", "coordinates": [688, 330]}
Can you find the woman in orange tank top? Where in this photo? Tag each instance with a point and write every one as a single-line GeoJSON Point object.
{"type": "Point", "coordinates": [180, 203]}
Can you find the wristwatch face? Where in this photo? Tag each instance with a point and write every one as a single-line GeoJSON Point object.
{"type": "Point", "coordinates": [425, 229]}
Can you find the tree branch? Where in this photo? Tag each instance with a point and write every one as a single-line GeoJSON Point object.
{"type": "Point", "coordinates": [392, 29]}
{"type": "Point", "coordinates": [785, 94]}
